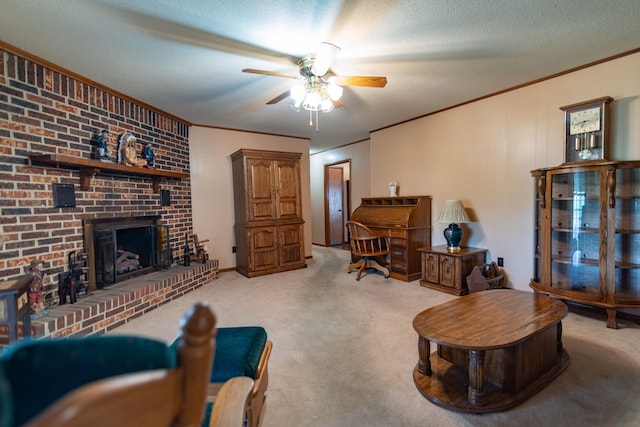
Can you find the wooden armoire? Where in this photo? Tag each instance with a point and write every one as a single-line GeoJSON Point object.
{"type": "Point", "coordinates": [268, 212]}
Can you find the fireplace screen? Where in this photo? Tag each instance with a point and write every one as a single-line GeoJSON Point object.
{"type": "Point", "coordinates": [125, 248]}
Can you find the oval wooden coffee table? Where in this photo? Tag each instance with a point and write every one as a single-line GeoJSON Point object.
{"type": "Point", "coordinates": [496, 348]}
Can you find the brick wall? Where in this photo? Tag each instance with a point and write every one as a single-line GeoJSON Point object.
{"type": "Point", "coordinates": [44, 111]}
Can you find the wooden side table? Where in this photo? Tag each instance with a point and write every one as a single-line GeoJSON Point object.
{"type": "Point", "coordinates": [14, 304]}
{"type": "Point", "coordinates": [447, 272]}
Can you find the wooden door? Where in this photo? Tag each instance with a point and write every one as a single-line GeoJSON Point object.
{"type": "Point", "coordinates": [261, 182]}
{"type": "Point", "coordinates": [287, 179]}
{"type": "Point", "coordinates": [334, 203]}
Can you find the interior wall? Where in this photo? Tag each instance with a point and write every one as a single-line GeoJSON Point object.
{"type": "Point", "coordinates": [482, 153]}
{"type": "Point", "coordinates": [212, 184]}
{"type": "Point", "coordinates": [359, 175]}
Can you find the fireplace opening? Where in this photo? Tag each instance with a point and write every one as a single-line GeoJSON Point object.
{"type": "Point", "coordinates": [122, 248]}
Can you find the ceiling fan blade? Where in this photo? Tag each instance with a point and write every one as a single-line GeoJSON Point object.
{"type": "Point", "coordinates": [174, 31]}
{"type": "Point", "coordinates": [337, 103]}
{"type": "Point", "coordinates": [325, 56]}
{"type": "Point", "coordinates": [368, 81]}
{"type": "Point", "coordinates": [278, 98]}
{"type": "Point", "coordinates": [269, 73]}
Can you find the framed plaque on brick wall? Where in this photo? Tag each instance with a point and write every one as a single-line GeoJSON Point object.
{"type": "Point", "coordinates": [64, 196]}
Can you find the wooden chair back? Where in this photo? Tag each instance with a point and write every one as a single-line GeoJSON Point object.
{"type": "Point", "coordinates": [364, 242]}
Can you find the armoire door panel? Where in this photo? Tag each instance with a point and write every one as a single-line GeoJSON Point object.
{"type": "Point", "coordinates": [264, 238]}
{"type": "Point", "coordinates": [287, 189]}
{"type": "Point", "coordinates": [291, 249]}
{"type": "Point", "coordinates": [261, 190]}
{"type": "Point", "coordinates": [264, 248]}
{"type": "Point", "coordinates": [262, 210]}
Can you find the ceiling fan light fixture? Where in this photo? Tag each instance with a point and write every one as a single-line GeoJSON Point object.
{"type": "Point", "coordinates": [298, 93]}
{"type": "Point", "coordinates": [295, 105]}
{"type": "Point", "coordinates": [326, 105]}
{"type": "Point", "coordinates": [325, 56]}
{"type": "Point", "coordinates": [334, 91]}
{"type": "Point", "coordinates": [313, 100]}
{"type": "Point", "coordinates": [315, 95]}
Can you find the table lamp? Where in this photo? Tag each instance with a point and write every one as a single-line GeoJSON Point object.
{"type": "Point", "coordinates": [453, 213]}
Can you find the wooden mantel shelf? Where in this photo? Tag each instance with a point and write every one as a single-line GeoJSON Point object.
{"type": "Point", "coordinates": [90, 167]}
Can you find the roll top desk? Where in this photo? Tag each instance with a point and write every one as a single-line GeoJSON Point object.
{"type": "Point", "coordinates": [406, 222]}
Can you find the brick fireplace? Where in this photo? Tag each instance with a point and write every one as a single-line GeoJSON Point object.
{"type": "Point", "coordinates": [50, 112]}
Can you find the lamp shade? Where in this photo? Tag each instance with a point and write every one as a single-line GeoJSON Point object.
{"type": "Point", "coordinates": [454, 212]}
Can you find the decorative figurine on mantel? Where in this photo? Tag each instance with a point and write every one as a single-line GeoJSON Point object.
{"type": "Point", "coordinates": [148, 154]}
{"type": "Point", "coordinates": [35, 278]}
{"type": "Point", "coordinates": [103, 151]}
{"type": "Point", "coordinates": [127, 151]}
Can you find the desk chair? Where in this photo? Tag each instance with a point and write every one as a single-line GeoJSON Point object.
{"type": "Point", "coordinates": [369, 246]}
{"type": "Point", "coordinates": [119, 381]}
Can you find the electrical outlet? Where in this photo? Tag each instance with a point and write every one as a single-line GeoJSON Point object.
{"type": "Point", "coordinates": [234, 250]}
{"type": "Point", "coordinates": [500, 262]}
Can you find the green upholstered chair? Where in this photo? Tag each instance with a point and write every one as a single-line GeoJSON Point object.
{"type": "Point", "coordinates": [242, 351]}
{"type": "Point", "coordinates": [118, 380]}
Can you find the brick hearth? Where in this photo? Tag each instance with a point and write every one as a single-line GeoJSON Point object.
{"type": "Point", "coordinates": [106, 309]}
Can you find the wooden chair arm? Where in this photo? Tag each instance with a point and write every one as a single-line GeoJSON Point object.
{"type": "Point", "coordinates": [262, 366]}
{"type": "Point", "coordinates": [231, 403]}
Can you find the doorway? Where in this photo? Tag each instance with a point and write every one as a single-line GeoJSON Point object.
{"type": "Point", "coordinates": [337, 201]}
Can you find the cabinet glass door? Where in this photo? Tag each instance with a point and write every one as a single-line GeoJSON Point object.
{"type": "Point", "coordinates": [537, 236]}
{"type": "Point", "coordinates": [575, 233]}
{"type": "Point", "coordinates": [627, 240]}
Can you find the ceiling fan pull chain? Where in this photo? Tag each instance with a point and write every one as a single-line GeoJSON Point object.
{"type": "Point", "coordinates": [317, 128]}
{"type": "Point", "coordinates": [310, 118]}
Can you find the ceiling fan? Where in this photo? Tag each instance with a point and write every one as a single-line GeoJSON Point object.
{"type": "Point", "coordinates": [318, 89]}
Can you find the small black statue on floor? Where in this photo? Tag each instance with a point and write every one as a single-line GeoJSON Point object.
{"type": "Point", "coordinates": [71, 282]}
{"type": "Point", "coordinates": [187, 251]}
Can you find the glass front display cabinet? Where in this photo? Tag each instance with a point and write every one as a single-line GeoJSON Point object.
{"type": "Point", "coordinates": [587, 234]}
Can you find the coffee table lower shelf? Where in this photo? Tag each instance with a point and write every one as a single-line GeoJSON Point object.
{"type": "Point", "coordinates": [447, 386]}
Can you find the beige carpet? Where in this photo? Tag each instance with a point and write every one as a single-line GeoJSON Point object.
{"type": "Point", "coordinates": [344, 352]}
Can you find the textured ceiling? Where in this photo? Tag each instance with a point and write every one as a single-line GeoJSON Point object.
{"type": "Point", "coordinates": [185, 56]}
